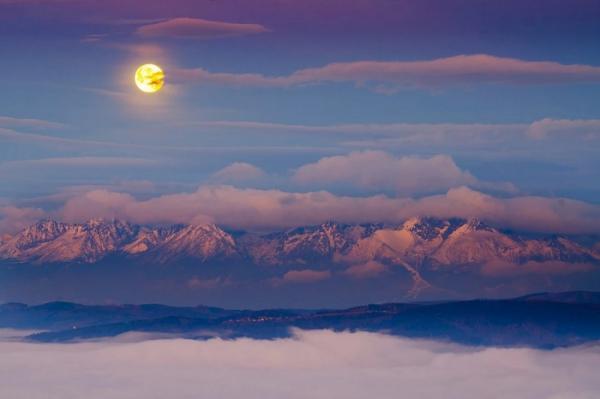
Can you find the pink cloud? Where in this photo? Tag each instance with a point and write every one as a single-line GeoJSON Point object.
{"type": "Point", "coordinates": [366, 270]}
{"type": "Point", "coordinates": [239, 172]}
{"type": "Point", "coordinates": [10, 122]}
{"type": "Point", "coordinates": [306, 276]}
{"type": "Point", "coordinates": [378, 170]}
{"type": "Point", "coordinates": [201, 76]}
{"type": "Point", "coordinates": [245, 208]}
{"type": "Point", "coordinates": [529, 213]}
{"type": "Point", "coordinates": [588, 128]}
{"type": "Point", "coordinates": [195, 28]}
{"type": "Point", "coordinates": [255, 209]}
{"type": "Point", "coordinates": [496, 269]}
{"type": "Point", "coordinates": [391, 75]}
{"type": "Point", "coordinates": [15, 219]}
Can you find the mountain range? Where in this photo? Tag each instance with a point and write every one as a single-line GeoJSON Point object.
{"type": "Point", "coordinates": [442, 242]}
{"type": "Point", "coordinates": [420, 250]}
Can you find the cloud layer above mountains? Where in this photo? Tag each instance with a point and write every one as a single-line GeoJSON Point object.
{"type": "Point", "coordinates": [257, 209]}
{"type": "Point", "coordinates": [318, 364]}
{"type": "Point", "coordinates": [358, 187]}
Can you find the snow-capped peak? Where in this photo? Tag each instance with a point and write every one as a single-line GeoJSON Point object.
{"type": "Point", "coordinates": [417, 241]}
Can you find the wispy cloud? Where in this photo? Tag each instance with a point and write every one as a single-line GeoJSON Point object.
{"type": "Point", "coordinates": [195, 28]}
{"type": "Point", "coordinates": [461, 70]}
{"type": "Point", "coordinates": [387, 129]}
{"type": "Point", "coordinates": [305, 276]}
{"type": "Point", "coordinates": [79, 162]}
{"type": "Point", "coordinates": [11, 135]}
{"type": "Point", "coordinates": [586, 128]}
{"type": "Point", "coordinates": [11, 122]}
{"type": "Point", "coordinates": [539, 129]}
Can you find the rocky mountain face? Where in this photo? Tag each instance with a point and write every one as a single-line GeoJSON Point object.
{"type": "Point", "coordinates": [54, 242]}
{"type": "Point", "coordinates": [50, 241]}
{"type": "Point", "coordinates": [415, 245]}
{"type": "Point", "coordinates": [305, 245]}
{"type": "Point", "coordinates": [198, 242]}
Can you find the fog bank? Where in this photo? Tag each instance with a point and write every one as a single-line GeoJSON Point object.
{"type": "Point", "coordinates": [317, 364]}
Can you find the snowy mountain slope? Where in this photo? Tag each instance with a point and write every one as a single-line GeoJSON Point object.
{"type": "Point", "coordinates": [50, 241]}
{"type": "Point", "coordinates": [198, 242]}
{"type": "Point", "coordinates": [416, 242]}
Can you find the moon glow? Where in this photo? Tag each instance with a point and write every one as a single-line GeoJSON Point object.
{"type": "Point", "coordinates": [149, 78]}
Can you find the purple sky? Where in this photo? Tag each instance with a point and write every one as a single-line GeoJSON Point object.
{"type": "Point", "coordinates": [434, 103]}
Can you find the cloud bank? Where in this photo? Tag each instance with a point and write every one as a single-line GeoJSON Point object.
{"type": "Point", "coordinates": [317, 364]}
{"type": "Point", "coordinates": [433, 186]}
{"type": "Point", "coordinates": [257, 209]}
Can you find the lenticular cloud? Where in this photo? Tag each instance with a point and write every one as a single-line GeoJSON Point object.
{"type": "Point", "coordinates": [318, 364]}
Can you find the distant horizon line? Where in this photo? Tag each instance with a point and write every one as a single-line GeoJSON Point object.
{"type": "Point", "coordinates": [530, 296]}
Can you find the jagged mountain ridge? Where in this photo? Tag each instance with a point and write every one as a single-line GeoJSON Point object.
{"type": "Point", "coordinates": [49, 241]}
{"type": "Point", "coordinates": [417, 241]}
{"type": "Point", "coordinates": [52, 242]}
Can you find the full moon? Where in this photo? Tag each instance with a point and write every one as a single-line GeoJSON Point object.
{"type": "Point", "coordinates": [149, 78]}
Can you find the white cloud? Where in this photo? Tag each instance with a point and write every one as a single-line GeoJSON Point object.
{"type": "Point", "coordinates": [239, 172]}
{"type": "Point", "coordinates": [316, 365]}
{"type": "Point", "coordinates": [378, 170]}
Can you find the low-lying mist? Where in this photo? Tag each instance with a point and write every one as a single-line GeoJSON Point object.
{"type": "Point", "coordinates": [311, 365]}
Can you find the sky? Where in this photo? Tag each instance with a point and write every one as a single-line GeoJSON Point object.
{"type": "Point", "coordinates": [315, 364]}
{"type": "Point", "coordinates": [435, 107]}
